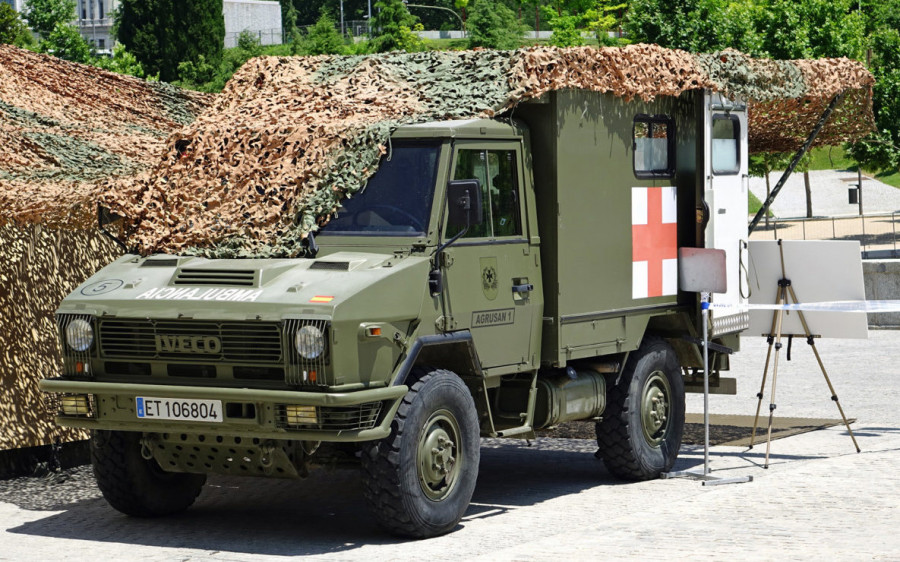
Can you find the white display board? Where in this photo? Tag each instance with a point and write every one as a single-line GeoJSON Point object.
{"type": "Point", "coordinates": [820, 271]}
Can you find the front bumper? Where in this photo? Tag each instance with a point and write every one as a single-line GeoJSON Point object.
{"type": "Point", "coordinates": [364, 415]}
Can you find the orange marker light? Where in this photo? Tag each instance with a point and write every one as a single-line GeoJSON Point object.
{"type": "Point", "coordinates": [374, 331]}
{"type": "Point", "coordinates": [320, 298]}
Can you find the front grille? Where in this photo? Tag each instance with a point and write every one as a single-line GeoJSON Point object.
{"type": "Point", "coordinates": [226, 277]}
{"type": "Point", "coordinates": [190, 340]}
{"type": "Point", "coordinates": [336, 418]}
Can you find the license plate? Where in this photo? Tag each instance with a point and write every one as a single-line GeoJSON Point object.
{"type": "Point", "coordinates": [181, 409]}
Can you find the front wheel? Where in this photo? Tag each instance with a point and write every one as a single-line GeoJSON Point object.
{"type": "Point", "coordinates": [419, 480]}
{"type": "Point", "coordinates": [137, 486]}
{"type": "Point", "coordinates": [640, 434]}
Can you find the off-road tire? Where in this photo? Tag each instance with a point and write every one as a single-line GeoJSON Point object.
{"type": "Point", "coordinates": [405, 498]}
{"type": "Point", "coordinates": [632, 448]}
{"type": "Point", "coordinates": [137, 486]}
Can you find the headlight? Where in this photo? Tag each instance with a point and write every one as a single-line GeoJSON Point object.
{"type": "Point", "coordinates": [79, 335]}
{"type": "Point", "coordinates": [310, 342]}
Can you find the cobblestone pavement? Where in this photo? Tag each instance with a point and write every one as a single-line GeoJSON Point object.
{"type": "Point", "coordinates": [818, 500]}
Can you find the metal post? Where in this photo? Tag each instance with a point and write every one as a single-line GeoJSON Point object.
{"type": "Point", "coordinates": [343, 31]}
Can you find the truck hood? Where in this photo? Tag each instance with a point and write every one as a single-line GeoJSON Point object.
{"type": "Point", "coordinates": [163, 287]}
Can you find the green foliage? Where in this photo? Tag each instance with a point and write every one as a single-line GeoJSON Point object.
{"type": "Point", "coordinates": [249, 43]}
{"type": "Point", "coordinates": [122, 62]}
{"type": "Point", "coordinates": [601, 18]}
{"type": "Point", "coordinates": [491, 24]}
{"type": "Point", "coordinates": [323, 39]}
{"type": "Point", "coordinates": [66, 42]}
{"type": "Point", "coordinates": [13, 30]}
{"type": "Point", "coordinates": [877, 151]}
{"type": "Point", "coordinates": [45, 15]}
{"type": "Point", "coordinates": [288, 17]}
{"type": "Point", "coordinates": [393, 26]}
{"type": "Point", "coordinates": [164, 33]}
{"type": "Point", "coordinates": [697, 26]}
{"type": "Point", "coordinates": [564, 25]}
{"type": "Point", "coordinates": [793, 29]}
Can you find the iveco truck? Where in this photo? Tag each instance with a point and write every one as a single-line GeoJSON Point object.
{"type": "Point", "coordinates": [494, 277]}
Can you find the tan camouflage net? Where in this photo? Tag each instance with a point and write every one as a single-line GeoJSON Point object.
{"type": "Point", "coordinates": [63, 127]}
{"type": "Point", "coordinates": [290, 137]}
{"type": "Point", "coordinates": [39, 267]}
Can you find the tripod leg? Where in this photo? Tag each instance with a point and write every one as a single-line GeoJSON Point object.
{"type": "Point", "coordinates": [782, 294]}
{"type": "Point", "coordinates": [762, 386]}
{"type": "Point", "coordinates": [834, 395]}
{"type": "Point", "coordinates": [812, 343]}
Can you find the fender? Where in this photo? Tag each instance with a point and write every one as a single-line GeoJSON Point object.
{"type": "Point", "coordinates": [454, 351]}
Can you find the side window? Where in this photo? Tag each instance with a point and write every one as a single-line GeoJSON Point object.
{"type": "Point", "coordinates": [497, 172]}
{"type": "Point", "coordinates": [725, 149]}
{"type": "Point", "coordinates": [653, 142]}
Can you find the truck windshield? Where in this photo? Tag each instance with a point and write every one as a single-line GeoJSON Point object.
{"type": "Point", "coordinates": [396, 201]}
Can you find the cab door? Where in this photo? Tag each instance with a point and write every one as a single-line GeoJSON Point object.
{"type": "Point", "coordinates": [727, 184]}
{"type": "Point", "coordinates": [491, 274]}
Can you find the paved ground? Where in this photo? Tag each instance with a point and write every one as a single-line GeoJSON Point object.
{"type": "Point", "coordinates": [829, 194]}
{"type": "Point", "coordinates": [818, 500]}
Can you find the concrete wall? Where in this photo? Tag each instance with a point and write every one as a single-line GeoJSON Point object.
{"type": "Point", "coordinates": [260, 17]}
{"type": "Point", "coordinates": [882, 280]}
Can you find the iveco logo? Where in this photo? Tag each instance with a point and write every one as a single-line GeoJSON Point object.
{"type": "Point", "coordinates": [209, 345]}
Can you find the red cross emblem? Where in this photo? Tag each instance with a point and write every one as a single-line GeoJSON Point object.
{"type": "Point", "coordinates": [654, 241]}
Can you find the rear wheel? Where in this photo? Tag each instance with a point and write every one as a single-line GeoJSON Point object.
{"type": "Point", "coordinates": [640, 434]}
{"type": "Point", "coordinates": [419, 480]}
{"type": "Point", "coordinates": [135, 485]}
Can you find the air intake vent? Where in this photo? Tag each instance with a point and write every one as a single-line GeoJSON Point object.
{"type": "Point", "coordinates": [218, 277]}
{"type": "Point", "coordinates": [168, 262]}
{"type": "Point", "coordinates": [331, 265]}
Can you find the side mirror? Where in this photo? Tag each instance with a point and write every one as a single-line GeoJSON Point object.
{"type": "Point", "coordinates": [464, 203]}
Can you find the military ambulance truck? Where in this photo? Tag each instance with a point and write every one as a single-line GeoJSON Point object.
{"type": "Point", "coordinates": [494, 277]}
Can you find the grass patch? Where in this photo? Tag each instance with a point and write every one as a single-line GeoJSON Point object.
{"type": "Point", "coordinates": [754, 204]}
{"type": "Point", "coordinates": [890, 177]}
{"type": "Point", "coordinates": [830, 158]}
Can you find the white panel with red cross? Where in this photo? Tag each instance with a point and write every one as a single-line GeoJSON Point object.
{"type": "Point", "coordinates": [654, 241]}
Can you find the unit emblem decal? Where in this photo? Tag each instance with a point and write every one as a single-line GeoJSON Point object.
{"type": "Point", "coordinates": [654, 242]}
{"type": "Point", "coordinates": [490, 281]}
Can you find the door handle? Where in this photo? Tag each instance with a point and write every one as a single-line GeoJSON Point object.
{"type": "Point", "coordinates": [526, 288]}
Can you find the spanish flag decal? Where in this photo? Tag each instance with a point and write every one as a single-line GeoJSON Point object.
{"type": "Point", "coordinates": [320, 298]}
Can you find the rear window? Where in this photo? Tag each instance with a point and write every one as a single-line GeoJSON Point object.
{"type": "Point", "coordinates": [654, 146]}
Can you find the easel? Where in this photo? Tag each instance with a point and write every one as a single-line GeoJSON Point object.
{"type": "Point", "coordinates": [784, 295]}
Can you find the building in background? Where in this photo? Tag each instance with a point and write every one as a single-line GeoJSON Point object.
{"type": "Point", "coordinates": [262, 18]}
{"type": "Point", "coordinates": [95, 18]}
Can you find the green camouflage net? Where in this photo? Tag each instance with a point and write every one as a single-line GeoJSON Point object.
{"type": "Point", "coordinates": [290, 137]}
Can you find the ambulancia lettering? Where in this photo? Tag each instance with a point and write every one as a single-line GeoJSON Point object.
{"type": "Point", "coordinates": [188, 294]}
{"type": "Point", "coordinates": [209, 345]}
{"type": "Point", "coordinates": [484, 318]}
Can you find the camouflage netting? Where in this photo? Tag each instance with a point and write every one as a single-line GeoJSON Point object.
{"type": "Point", "coordinates": [290, 137]}
{"type": "Point", "coordinates": [63, 128]}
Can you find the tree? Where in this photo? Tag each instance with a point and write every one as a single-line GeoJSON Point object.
{"type": "Point", "coordinates": [13, 30]}
{"type": "Point", "coordinates": [323, 38]}
{"type": "Point", "coordinates": [697, 26]}
{"type": "Point", "coordinates": [163, 33]}
{"type": "Point", "coordinates": [793, 29]}
{"type": "Point", "coordinates": [66, 42]}
{"type": "Point", "coordinates": [121, 62]}
{"type": "Point", "coordinates": [44, 15]}
{"type": "Point", "coordinates": [493, 25]}
{"type": "Point", "coordinates": [393, 26]}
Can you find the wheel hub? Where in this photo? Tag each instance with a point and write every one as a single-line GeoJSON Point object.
{"type": "Point", "coordinates": [437, 455]}
{"type": "Point", "coordinates": [655, 405]}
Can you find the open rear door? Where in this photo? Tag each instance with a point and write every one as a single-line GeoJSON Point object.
{"type": "Point", "coordinates": [727, 180]}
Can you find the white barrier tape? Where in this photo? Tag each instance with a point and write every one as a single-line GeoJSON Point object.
{"type": "Point", "coordinates": [834, 306]}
